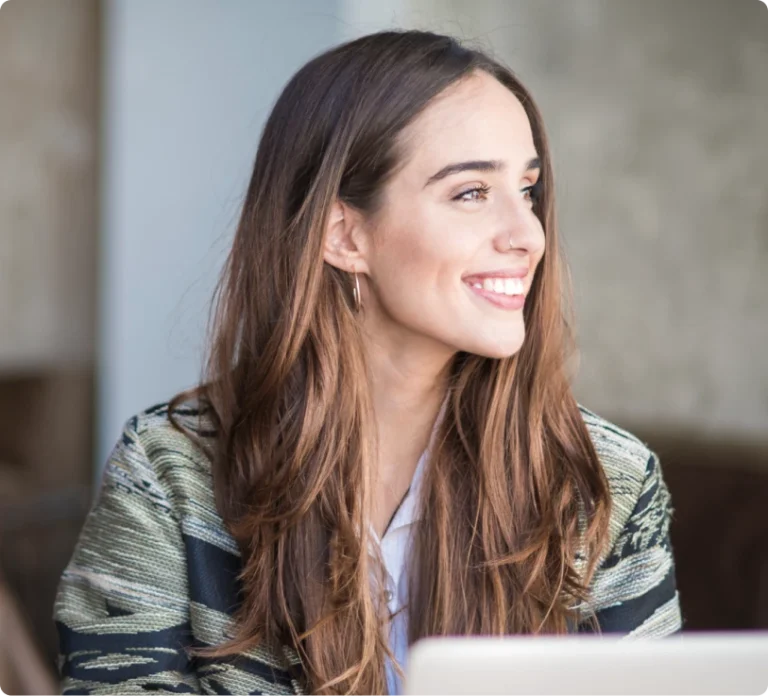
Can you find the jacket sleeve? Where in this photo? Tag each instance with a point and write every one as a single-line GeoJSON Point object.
{"type": "Point", "coordinates": [121, 609]}
{"type": "Point", "coordinates": [635, 588]}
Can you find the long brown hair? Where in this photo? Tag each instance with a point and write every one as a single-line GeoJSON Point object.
{"type": "Point", "coordinates": [514, 492]}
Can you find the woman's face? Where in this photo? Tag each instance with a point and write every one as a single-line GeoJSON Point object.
{"type": "Point", "coordinates": [456, 242]}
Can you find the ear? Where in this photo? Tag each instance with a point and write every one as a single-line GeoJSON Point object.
{"type": "Point", "coordinates": [345, 240]}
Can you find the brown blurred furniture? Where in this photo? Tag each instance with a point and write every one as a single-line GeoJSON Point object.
{"type": "Point", "coordinates": [22, 669]}
{"type": "Point", "coordinates": [45, 489]}
{"type": "Point", "coordinates": [719, 530]}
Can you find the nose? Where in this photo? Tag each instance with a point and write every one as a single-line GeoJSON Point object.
{"type": "Point", "coordinates": [519, 229]}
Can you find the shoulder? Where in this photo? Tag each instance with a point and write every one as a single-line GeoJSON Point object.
{"type": "Point", "coordinates": [625, 458]}
{"type": "Point", "coordinates": [639, 497]}
{"type": "Point", "coordinates": [153, 433]}
{"type": "Point", "coordinates": [154, 457]}
{"type": "Point", "coordinates": [634, 590]}
{"type": "Point", "coordinates": [156, 422]}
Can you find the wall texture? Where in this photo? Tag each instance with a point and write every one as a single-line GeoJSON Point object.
{"type": "Point", "coordinates": [657, 112]}
{"type": "Point", "coordinates": [48, 200]}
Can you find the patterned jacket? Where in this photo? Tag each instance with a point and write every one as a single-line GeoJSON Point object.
{"type": "Point", "coordinates": [155, 570]}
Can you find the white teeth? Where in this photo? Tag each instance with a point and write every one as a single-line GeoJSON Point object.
{"type": "Point", "coordinates": [502, 286]}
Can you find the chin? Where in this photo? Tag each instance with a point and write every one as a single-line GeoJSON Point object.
{"type": "Point", "coordinates": [497, 349]}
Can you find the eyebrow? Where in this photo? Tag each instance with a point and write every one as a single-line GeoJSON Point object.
{"type": "Point", "coordinates": [478, 166]}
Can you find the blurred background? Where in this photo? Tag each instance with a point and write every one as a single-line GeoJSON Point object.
{"type": "Point", "coordinates": [127, 134]}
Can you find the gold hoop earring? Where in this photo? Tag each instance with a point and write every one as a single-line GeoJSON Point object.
{"type": "Point", "coordinates": [356, 294]}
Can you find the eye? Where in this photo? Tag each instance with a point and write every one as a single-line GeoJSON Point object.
{"type": "Point", "coordinates": [483, 190]}
{"type": "Point", "coordinates": [532, 193]}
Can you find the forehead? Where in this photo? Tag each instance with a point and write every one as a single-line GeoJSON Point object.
{"type": "Point", "coordinates": [477, 118]}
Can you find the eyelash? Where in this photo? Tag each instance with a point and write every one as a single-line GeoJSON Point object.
{"type": "Point", "coordinates": [534, 190]}
{"type": "Point", "coordinates": [481, 189]}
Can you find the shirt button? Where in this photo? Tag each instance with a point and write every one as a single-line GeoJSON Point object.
{"type": "Point", "coordinates": [388, 595]}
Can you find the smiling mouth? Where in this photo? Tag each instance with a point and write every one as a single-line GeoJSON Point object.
{"type": "Point", "coordinates": [499, 286]}
{"type": "Point", "coordinates": [509, 296]}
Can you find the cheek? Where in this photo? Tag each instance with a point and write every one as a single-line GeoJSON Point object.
{"type": "Point", "coordinates": [407, 256]}
{"type": "Point", "coordinates": [424, 253]}
{"type": "Point", "coordinates": [417, 274]}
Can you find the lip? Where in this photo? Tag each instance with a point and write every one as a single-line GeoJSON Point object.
{"type": "Point", "coordinates": [499, 273]}
{"type": "Point", "coordinates": [508, 302]}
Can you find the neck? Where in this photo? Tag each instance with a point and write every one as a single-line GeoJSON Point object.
{"type": "Point", "coordinates": [408, 390]}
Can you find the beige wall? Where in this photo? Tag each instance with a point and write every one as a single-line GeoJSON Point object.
{"type": "Point", "coordinates": [48, 142]}
{"type": "Point", "coordinates": [657, 111]}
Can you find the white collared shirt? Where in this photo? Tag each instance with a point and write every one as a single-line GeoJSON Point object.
{"type": "Point", "coordinates": [395, 549]}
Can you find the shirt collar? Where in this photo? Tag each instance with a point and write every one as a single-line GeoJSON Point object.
{"type": "Point", "coordinates": [409, 509]}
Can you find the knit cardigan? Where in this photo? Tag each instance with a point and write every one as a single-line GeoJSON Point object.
{"type": "Point", "coordinates": [155, 570]}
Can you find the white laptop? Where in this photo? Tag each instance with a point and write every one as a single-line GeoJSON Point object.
{"type": "Point", "coordinates": [687, 663]}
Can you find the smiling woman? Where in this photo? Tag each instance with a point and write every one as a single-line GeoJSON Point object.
{"type": "Point", "coordinates": [386, 445]}
{"type": "Point", "coordinates": [440, 230]}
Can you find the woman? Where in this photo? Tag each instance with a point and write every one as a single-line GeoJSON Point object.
{"type": "Point", "coordinates": [385, 445]}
